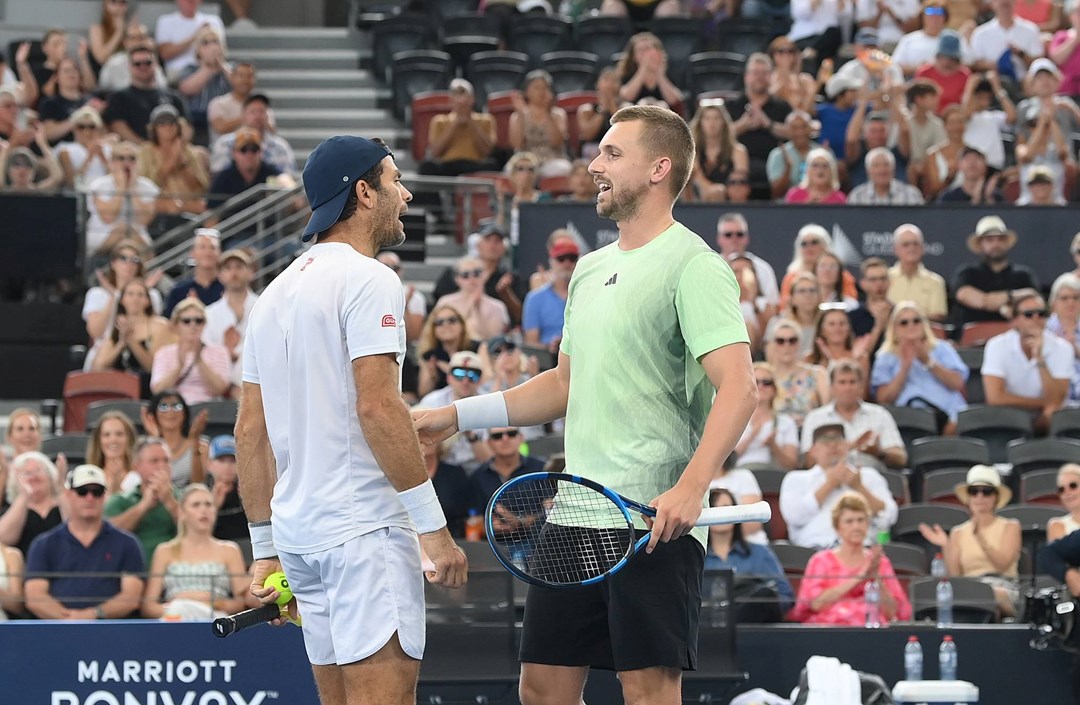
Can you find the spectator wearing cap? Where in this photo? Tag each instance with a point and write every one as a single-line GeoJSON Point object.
{"type": "Point", "coordinates": [231, 523]}
{"type": "Point", "coordinates": [168, 159]}
{"type": "Point", "coordinates": [1040, 188]}
{"type": "Point", "coordinates": [203, 282]}
{"type": "Point", "coordinates": [842, 93]}
{"type": "Point", "coordinates": [206, 77]}
{"type": "Point", "coordinates": [882, 188]}
{"type": "Point", "coordinates": [538, 126]}
{"type": "Point", "coordinates": [985, 290]}
{"type": "Point", "coordinates": [868, 131]}
{"type": "Point", "coordinates": [463, 381]}
{"type": "Point", "coordinates": [120, 205]}
{"type": "Point", "coordinates": [248, 168]}
{"type": "Point", "coordinates": [460, 141]}
{"type": "Point", "coordinates": [86, 157]}
{"type": "Point", "coordinates": [542, 322]}
{"type": "Point", "coordinates": [115, 74]}
{"type": "Point", "coordinates": [1006, 32]}
{"type": "Point", "coordinates": [815, 25]}
{"type": "Point", "coordinates": [499, 283]}
{"type": "Point", "coordinates": [22, 172]}
{"type": "Point", "coordinates": [733, 240]}
{"type": "Point", "coordinates": [871, 67]}
{"type": "Point", "coordinates": [1063, 52]}
{"type": "Point", "coordinates": [1028, 367]}
{"type": "Point", "coordinates": [807, 497]}
{"type": "Point", "coordinates": [128, 110]}
{"type": "Point", "coordinates": [977, 185]}
{"type": "Point", "coordinates": [178, 33]}
{"type": "Point", "coordinates": [415, 303]}
{"type": "Point", "coordinates": [257, 116]}
{"type": "Point", "coordinates": [149, 509]}
{"type": "Point", "coordinates": [947, 69]}
{"type": "Point", "coordinates": [227, 318]}
{"type": "Point", "coordinates": [871, 428]}
{"type": "Point", "coordinates": [759, 121]}
{"type": "Point", "coordinates": [1043, 130]}
{"type": "Point", "coordinates": [506, 463]}
{"type": "Point", "coordinates": [486, 316]}
{"type": "Point", "coordinates": [225, 112]}
{"type": "Point", "coordinates": [887, 19]}
{"type": "Point", "coordinates": [918, 47]}
{"type": "Point", "coordinates": [984, 125]}
{"type": "Point", "coordinates": [910, 280]}
{"type": "Point", "coordinates": [787, 162]}
{"type": "Point", "coordinates": [86, 568]}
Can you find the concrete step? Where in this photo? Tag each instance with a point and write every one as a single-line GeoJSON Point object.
{"type": "Point", "coordinates": [422, 271]}
{"type": "Point", "coordinates": [329, 98]}
{"type": "Point", "coordinates": [340, 77]}
{"type": "Point", "coordinates": [295, 38]}
{"type": "Point", "coordinates": [298, 59]}
{"type": "Point", "coordinates": [333, 120]}
{"type": "Point", "coordinates": [307, 139]}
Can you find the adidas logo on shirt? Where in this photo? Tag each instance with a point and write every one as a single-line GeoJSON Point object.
{"type": "Point", "coordinates": [611, 281]}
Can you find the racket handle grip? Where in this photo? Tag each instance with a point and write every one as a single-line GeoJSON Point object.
{"type": "Point", "coordinates": [224, 626]}
{"type": "Point", "coordinates": [740, 513]}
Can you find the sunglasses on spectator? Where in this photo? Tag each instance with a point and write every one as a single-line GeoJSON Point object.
{"type": "Point", "coordinates": [785, 50]}
{"type": "Point", "coordinates": [524, 167]}
{"type": "Point", "coordinates": [1034, 313]}
{"type": "Point", "coordinates": [984, 490]}
{"type": "Point", "coordinates": [471, 273]}
{"type": "Point", "coordinates": [191, 321]}
{"type": "Point", "coordinates": [932, 11]}
{"type": "Point", "coordinates": [464, 373]}
{"type": "Point", "coordinates": [130, 259]}
{"type": "Point", "coordinates": [766, 382]}
{"type": "Point", "coordinates": [793, 340]}
{"type": "Point", "coordinates": [905, 322]}
{"type": "Point", "coordinates": [805, 290]}
{"type": "Point", "coordinates": [86, 126]}
{"type": "Point", "coordinates": [1069, 487]}
{"type": "Point", "coordinates": [508, 348]}
{"type": "Point", "coordinates": [566, 258]}
{"type": "Point", "coordinates": [143, 63]}
{"type": "Point", "coordinates": [438, 322]}
{"type": "Point", "coordinates": [733, 234]}
{"type": "Point", "coordinates": [125, 158]}
{"type": "Point", "coordinates": [809, 243]}
{"type": "Point", "coordinates": [499, 435]}
{"type": "Point", "coordinates": [249, 149]}
{"type": "Point", "coordinates": [165, 407]}
{"type": "Point", "coordinates": [96, 490]}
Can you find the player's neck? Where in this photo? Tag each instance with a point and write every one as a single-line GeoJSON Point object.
{"type": "Point", "coordinates": [358, 238]}
{"type": "Point", "coordinates": [646, 226]}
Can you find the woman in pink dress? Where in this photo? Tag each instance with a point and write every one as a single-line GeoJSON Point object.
{"type": "Point", "coordinates": [833, 590]}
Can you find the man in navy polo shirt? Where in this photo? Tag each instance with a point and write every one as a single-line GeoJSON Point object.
{"type": "Point", "coordinates": [100, 566]}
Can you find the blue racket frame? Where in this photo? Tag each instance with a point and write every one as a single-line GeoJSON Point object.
{"type": "Point", "coordinates": [623, 503]}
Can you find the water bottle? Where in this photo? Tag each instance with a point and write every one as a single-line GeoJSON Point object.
{"type": "Point", "coordinates": [474, 526]}
{"type": "Point", "coordinates": [872, 595]}
{"type": "Point", "coordinates": [943, 593]}
{"type": "Point", "coordinates": [947, 659]}
{"type": "Point", "coordinates": [913, 659]}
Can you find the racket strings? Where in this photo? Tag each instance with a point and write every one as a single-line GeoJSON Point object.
{"type": "Point", "coordinates": [559, 532]}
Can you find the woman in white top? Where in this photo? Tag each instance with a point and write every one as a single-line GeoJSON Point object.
{"type": "Point", "coordinates": [125, 264]}
{"type": "Point", "coordinates": [11, 582]}
{"type": "Point", "coordinates": [770, 438]}
{"type": "Point", "coordinates": [120, 205]}
{"type": "Point", "coordinates": [86, 157]}
{"type": "Point", "coordinates": [1068, 487]}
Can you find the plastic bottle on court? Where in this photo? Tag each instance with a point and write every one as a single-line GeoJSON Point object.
{"type": "Point", "coordinates": [947, 659]}
{"type": "Point", "coordinates": [872, 595]}
{"type": "Point", "coordinates": [913, 659]}
{"type": "Point", "coordinates": [474, 526]}
{"type": "Point", "coordinates": [943, 592]}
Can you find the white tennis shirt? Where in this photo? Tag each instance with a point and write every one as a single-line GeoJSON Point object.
{"type": "Point", "coordinates": [330, 307]}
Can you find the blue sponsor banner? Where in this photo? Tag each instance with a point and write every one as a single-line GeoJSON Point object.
{"type": "Point", "coordinates": [151, 663]}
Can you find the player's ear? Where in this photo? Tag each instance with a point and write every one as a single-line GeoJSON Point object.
{"type": "Point", "coordinates": [365, 193]}
{"type": "Point", "coordinates": [660, 169]}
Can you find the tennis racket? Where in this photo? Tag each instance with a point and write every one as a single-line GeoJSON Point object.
{"type": "Point", "coordinates": [224, 626]}
{"type": "Point", "coordinates": [560, 530]}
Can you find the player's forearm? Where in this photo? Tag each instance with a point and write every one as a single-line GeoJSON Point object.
{"type": "Point", "coordinates": [539, 401]}
{"type": "Point", "coordinates": [388, 430]}
{"type": "Point", "coordinates": [255, 466]}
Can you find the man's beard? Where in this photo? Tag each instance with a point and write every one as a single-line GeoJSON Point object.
{"type": "Point", "coordinates": [623, 205]}
{"type": "Point", "coordinates": [996, 259]}
{"type": "Point", "coordinates": [387, 233]}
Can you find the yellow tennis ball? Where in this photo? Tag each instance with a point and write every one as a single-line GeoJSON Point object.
{"type": "Point", "coordinates": [279, 582]}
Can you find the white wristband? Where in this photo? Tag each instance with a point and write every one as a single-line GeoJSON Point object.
{"type": "Point", "coordinates": [262, 540]}
{"type": "Point", "coordinates": [482, 412]}
{"type": "Point", "coordinates": [423, 506]}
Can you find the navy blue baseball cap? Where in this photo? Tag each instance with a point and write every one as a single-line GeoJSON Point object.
{"type": "Point", "coordinates": [331, 172]}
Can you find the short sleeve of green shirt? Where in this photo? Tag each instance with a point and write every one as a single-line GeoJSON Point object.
{"type": "Point", "coordinates": [707, 300]}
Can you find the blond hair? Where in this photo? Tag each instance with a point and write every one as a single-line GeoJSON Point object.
{"type": "Point", "coordinates": [666, 135]}
{"type": "Point", "coordinates": [890, 344]}
{"type": "Point", "coordinates": [849, 501]}
{"type": "Point", "coordinates": [181, 525]}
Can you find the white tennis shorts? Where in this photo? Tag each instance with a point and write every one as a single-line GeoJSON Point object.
{"type": "Point", "coordinates": [353, 597]}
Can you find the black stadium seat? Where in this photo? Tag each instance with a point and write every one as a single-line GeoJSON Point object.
{"type": "Point", "coordinates": [1042, 454]}
{"type": "Point", "coordinates": [131, 408]}
{"type": "Point", "coordinates": [906, 528]}
{"type": "Point", "coordinates": [1066, 423]}
{"type": "Point", "coordinates": [462, 46]}
{"type": "Point", "coordinates": [973, 601]}
{"type": "Point", "coordinates": [494, 71]}
{"type": "Point", "coordinates": [417, 72]}
{"type": "Point", "coordinates": [938, 452]}
{"type": "Point", "coordinates": [913, 423]}
{"type": "Point", "coordinates": [536, 35]}
{"type": "Point", "coordinates": [72, 445]}
{"type": "Point", "coordinates": [603, 36]}
{"type": "Point", "coordinates": [682, 37]}
{"type": "Point", "coordinates": [406, 32]}
{"type": "Point", "coordinates": [997, 425]}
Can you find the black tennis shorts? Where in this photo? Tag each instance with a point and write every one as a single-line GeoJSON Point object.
{"type": "Point", "coordinates": [643, 616]}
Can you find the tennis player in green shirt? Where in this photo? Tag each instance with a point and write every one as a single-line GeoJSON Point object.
{"type": "Point", "coordinates": [653, 328]}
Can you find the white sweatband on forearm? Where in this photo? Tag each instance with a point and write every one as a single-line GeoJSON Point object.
{"type": "Point", "coordinates": [482, 412]}
{"type": "Point", "coordinates": [262, 540]}
{"type": "Point", "coordinates": [423, 506]}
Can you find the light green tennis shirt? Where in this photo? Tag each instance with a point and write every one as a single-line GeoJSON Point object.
{"type": "Point", "coordinates": [636, 324]}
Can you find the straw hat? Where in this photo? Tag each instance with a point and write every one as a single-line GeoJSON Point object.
{"type": "Point", "coordinates": [990, 225]}
{"type": "Point", "coordinates": [986, 476]}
